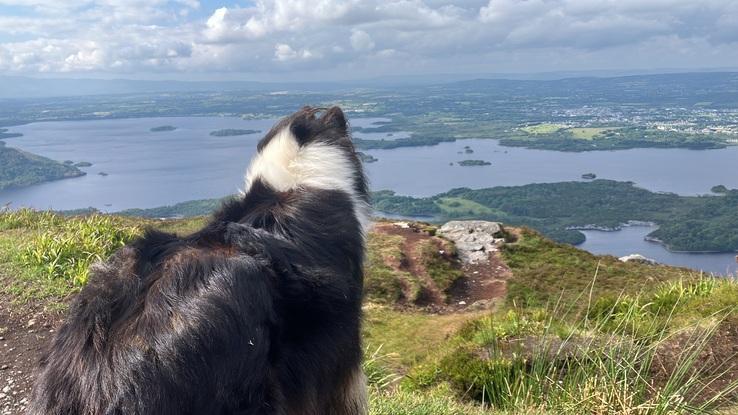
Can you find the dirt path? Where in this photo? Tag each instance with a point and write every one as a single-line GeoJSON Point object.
{"type": "Point", "coordinates": [479, 288]}
{"type": "Point", "coordinates": [24, 332]}
{"type": "Point", "coordinates": [431, 295]}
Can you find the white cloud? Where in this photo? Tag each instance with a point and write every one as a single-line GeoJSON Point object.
{"type": "Point", "coordinates": [349, 36]}
{"type": "Point", "coordinates": [361, 41]}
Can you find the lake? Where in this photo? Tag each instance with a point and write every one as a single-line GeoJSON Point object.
{"type": "Point", "coordinates": [148, 169]}
{"type": "Point", "coordinates": [630, 240]}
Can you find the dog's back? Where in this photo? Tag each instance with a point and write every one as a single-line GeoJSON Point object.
{"type": "Point", "coordinates": [257, 313]}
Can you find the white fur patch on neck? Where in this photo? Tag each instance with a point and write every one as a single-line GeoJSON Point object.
{"type": "Point", "coordinates": [284, 165]}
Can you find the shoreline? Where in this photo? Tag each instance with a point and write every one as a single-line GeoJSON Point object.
{"type": "Point", "coordinates": [637, 223]}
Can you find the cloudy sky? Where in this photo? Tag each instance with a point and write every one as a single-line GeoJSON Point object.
{"type": "Point", "coordinates": [349, 39]}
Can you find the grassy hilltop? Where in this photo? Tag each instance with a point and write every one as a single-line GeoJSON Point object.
{"type": "Point", "coordinates": [556, 330]}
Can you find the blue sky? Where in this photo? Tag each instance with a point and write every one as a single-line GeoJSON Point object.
{"type": "Point", "coordinates": [345, 39]}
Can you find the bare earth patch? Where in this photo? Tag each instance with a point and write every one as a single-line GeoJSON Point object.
{"type": "Point", "coordinates": [24, 332]}
{"type": "Point", "coordinates": [480, 286]}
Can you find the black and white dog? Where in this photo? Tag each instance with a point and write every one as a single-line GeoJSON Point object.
{"type": "Point", "coordinates": [257, 313]}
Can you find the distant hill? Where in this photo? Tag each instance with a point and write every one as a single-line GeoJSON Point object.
{"type": "Point", "coordinates": [684, 88]}
{"type": "Point", "coordinates": [19, 169]}
{"type": "Point", "coordinates": [25, 87]}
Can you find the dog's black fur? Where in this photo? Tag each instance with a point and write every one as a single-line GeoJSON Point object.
{"type": "Point", "coordinates": [257, 313]}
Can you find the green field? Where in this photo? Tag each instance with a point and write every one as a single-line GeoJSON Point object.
{"type": "Point", "coordinates": [587, 133]}
{"type": "Point", "coordinates": [543, 128]}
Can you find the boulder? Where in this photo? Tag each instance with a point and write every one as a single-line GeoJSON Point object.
{"type": "Point", "coordinates": [474, 239]}
{"type": "Point", "coordinates": [638, 258]}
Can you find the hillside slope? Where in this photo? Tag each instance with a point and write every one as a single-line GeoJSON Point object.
{"type": "Point", "coordinates": [529, 326]}
{"type": "Point", "coordinates": [19, 169]}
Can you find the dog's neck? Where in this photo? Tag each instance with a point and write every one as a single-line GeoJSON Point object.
{"type": "Point", "coordinates": [284, 165]}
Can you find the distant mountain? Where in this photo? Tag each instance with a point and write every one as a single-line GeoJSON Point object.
{"type": "Point", "coordinates": [713, 88]}
{"type": "Point", "coordinates": [26, 87]}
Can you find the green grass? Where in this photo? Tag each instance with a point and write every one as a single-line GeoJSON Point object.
{"type": "Point", "coordinates": [383, 281]}
{"type": "Point", "coordinates": [545, 271]}
{"type": "Point", "coordinates": [529, 360]}
{"type": "Point", "coordinates": [411, 336]}
{"type": "Point", "coordinates": [45, 256]}
{"type": "Point", "coordinates": [587, 133]}
{"type": "Point", "coordinates": [67, 250]}
{"type": "Point", "coordinates": [580, 334]}
{"type": "Point", "coordinates": [543, 128]}
{"type": "Point", "coordinates": [460, 207]}
{"type": "Point", "coordinates": [437, 259]}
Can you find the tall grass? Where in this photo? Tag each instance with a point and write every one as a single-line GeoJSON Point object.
{"type": "Point", "coordinates": [65, 248]}
{"type": "Point", "coordinates": [28, 218]}
{"type": "Point", "coordinates": [607, 360]}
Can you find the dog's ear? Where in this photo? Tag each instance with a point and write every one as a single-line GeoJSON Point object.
{"type": "Point", "coordinates": [303, 124]}
{"type": "Point", "coordinates": [334, 118]}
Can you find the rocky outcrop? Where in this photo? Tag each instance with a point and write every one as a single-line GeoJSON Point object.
{"type": "Point", "coordinates": [638, 258]}
{"type": "Point", "coordinates": [474, 239]}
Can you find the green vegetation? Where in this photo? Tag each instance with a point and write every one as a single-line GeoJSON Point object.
{"type": "Point", "coordinates": [65, 251]}
{"type": "Point", "coordinates": [162, 128]}
{"type": "Point", "coordinates": [686, 223]}
{"type": "Point", "coordinates": [606, 338]}
{"type": "Point", "coordinates": [719, 189]}
{"type": "Point", "coordinates": [546, 272]}
{"type": "Point", "coordinates": [184, 209]}
{"type": "Point", "coordinates": [230, 132]}
{"type": "Point", "coordinates": [384, 281]}
{"type": "Point", "coordinates": [437, 258]}
{"type": "Point", "coordinates": [48, 254]}
{"type": "Point", "coordinates": [468, 163]}
{"type": "Point", "coordinates": [19, 169]}
{"type": "Point", "coordinates": [588, 133]}
{"type": "Point", "coordinates": [583, 338]}
{"type": "Point", "coordinates": [589, 176]}
{"type": "Point", "coordinates": [83, 164]}
{"type": "Point", "coordinates": [543, 128]}
{"type": "Point", "coordinates": [621, 138]}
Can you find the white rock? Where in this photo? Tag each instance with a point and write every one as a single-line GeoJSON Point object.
{"type": "Point", "coordinates": [474, 239]}
{"type": "Point", "coordinates": [637, 258]}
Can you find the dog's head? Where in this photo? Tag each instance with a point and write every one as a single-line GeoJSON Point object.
{"type": "Point", "coordinates": [311, 149]}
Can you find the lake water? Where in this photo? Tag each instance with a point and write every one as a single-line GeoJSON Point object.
{"type": "Point", "coordinates": [630, 240]}
{"type": "Point", "coordinates": [148, 169]}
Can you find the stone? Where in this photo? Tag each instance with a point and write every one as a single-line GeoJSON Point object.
{"type": "Point", "coordinates": [638, 258]}
{"type": "Point", "coordinates": [474, 239]}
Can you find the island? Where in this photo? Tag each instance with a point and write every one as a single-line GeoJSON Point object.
{"type": "Point", "coordinates": [163, 128]}
{"type": "Point", "coordinates": [560, 210]}
{"type": "Point", "coordinates": [470, 163]}
{"type": "Point", "coordinates": [468, 150]}
{"type": "Point", "coordinates": [720, 189]}
{"type": "Point", "coordinates": [103, 174]}
{"type": "Point", "coordinates": [83, 164]}
{"type": "Point", "coordinates": [366, 158]}
{"type": "Point", "coordinates": [589, 176]}
{"type": "Point", "coordinates": [230, 132]}
{"type": "Point", "coordinates": [20, 169]}
{"type": "Point", "coordinates": [5, 134]}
